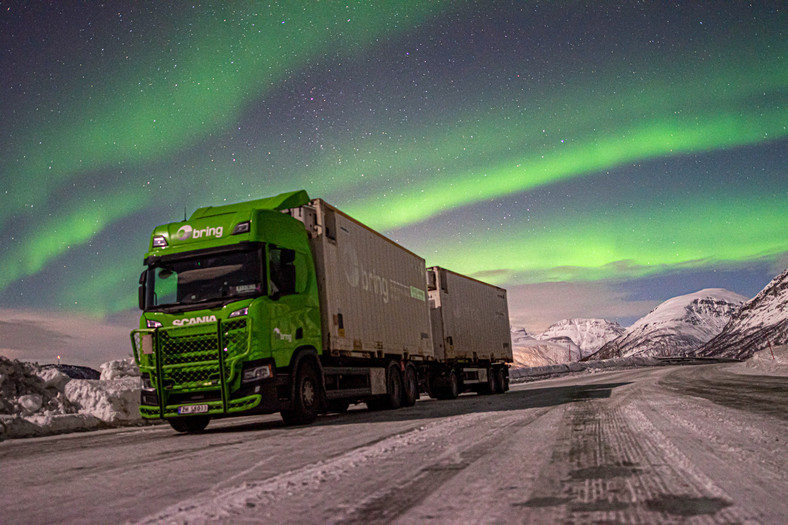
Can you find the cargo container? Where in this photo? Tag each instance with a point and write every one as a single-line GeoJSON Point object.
{"type": "Point", "coordinates": [282, 304]}
{"type": "Point", "coordinates": [471, 334]}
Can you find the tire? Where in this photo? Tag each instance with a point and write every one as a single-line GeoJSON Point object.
{"type": "Point", "coordinates": [191, 424]}
{"type": "Point", "coordinates": [307, 401]}
{"type": "Point", "coordinates": [450, 388]}
{"type": "Point", "coordinates": [503, 380]}
{"type": "Point", "coordinates": [490, 386]}
{"type": "Point", "coordinates": [410, 386]}
{"type": "Point", "coordinates": [496, 381]}
{"type": "Point", "coordinates": [392, 399]}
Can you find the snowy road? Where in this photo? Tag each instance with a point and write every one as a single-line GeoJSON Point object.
{"type": "Point", "coordinates": [691, 444]}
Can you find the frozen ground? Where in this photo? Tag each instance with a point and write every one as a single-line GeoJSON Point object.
{"type": "Point", "coordinates": [692, 444]}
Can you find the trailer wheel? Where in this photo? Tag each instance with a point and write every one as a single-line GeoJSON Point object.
{"type": "Point", "coordinates": [450, 388]}
{"type": "Point", "coordinates": [191, 424]}
{"type": "Point", "coordinates": [307, 397]}
{"type": "Point", "coordinates": [490, 386]}
{"type": "Point", "coordinates": [503, 380]}
{"type": "Point", "coordinates": [410, 384]}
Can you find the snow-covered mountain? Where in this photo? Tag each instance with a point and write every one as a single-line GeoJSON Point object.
{"type": "Point", "coordinates": [529, 351]}
{"type": "Point", "coordinates": [588, 334]}
{"type": "Point", "coordinates": [677, 327]}
{"type": "Point", "coordinates": [762, 320]}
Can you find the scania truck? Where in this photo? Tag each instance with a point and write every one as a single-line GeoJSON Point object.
{"type": "Point", "coordinates": [286, 304]}
{"type": "Point", "coordinates": [283, 304]}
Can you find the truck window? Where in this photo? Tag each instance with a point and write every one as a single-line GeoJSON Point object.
{"type": "Point", "coordinates": [207, 278]}
{"type": "Point", "coordinates": [301, 272]}
{"type": "Point", "coordinates": [166, 286]}
{"type": "Point", "coordinates": [283, 272]}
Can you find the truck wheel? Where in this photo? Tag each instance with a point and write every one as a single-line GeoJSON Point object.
{"type": "Point", "coordinates": [410, 384]}
{"type": "Point", "coordinates": [307, 397]}
{"type": "Point", "coordinates": [503, 381]}
{"type": "Point", "coordinates": [497, 387]}
{"type": "Point", "coordinates": [191, 424]}
{"type": "Point", "coordinates": [489, 387]}
{"type": "Point", "coordinates": [451, 388]}
{"type": "Point", "coordinates": [393, 397]}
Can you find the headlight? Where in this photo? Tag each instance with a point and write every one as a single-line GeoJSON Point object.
{"type": "Point", "coordinates": [239, 313]}
{"type": "Point", "coordinates": [159, 241]}
{"type": "Point", "coordinates": [150, 323]}
{"type": "Point", "coordinates": [241, 227]}
{"type": "Point", "coordinates": [257, 372]}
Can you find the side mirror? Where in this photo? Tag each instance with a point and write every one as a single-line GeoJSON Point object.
{"type": "Point", "coordinates": [141, 291]}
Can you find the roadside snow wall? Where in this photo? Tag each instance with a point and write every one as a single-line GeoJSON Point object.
{"type": "Point", "coordinates": [38, 401]}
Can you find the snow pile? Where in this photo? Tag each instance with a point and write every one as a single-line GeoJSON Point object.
{"type": "Point", "coordinates": [588, 334]}
{"type": "Point", "coordinates": [519, 375]}
{"type": "Point", "coordinates": [119, 368]}
{"type": "Point", "coordinates": [677, 327]}
{"type": "Point", "coordinates": [38, 401]}
{"type": "Point", "coordinates": [771, 362]}
{"type": "Point", "coordinates": [111, 401]}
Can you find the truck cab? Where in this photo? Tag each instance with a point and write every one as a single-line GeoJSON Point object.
{"type": "Point", "coordinates": [230, 308]}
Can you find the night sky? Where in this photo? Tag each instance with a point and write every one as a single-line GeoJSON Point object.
{"type": "Point", "coordinates": [593, 159]}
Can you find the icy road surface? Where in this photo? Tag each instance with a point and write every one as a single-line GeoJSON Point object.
{"type": "Point", "coordinates": [693, 444]}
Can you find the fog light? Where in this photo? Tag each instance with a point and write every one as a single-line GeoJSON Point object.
{"type": "Point", "coordinates": [257, 373]}
{"type": "Point", "coordinates": [145, 382]}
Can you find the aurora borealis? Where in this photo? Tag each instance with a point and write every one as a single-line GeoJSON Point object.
{"type": "Point", "coordinates": [639, 151]}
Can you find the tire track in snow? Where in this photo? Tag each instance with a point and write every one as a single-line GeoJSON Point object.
{"type": "Point", "coordinates": [480, 442]}
{"type": "Point", "coordinates": [255, 499]}
{"type": "Point", "coordinates": [611, 464]}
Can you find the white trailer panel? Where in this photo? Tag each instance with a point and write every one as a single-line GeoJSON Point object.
{"type": "Point", "coordinates": [373, 291]}
{"type": "Point", "coordinates": [470, 319]}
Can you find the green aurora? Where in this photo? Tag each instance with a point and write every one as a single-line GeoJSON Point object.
{"type": "Point", "coordinates": [122, 140]}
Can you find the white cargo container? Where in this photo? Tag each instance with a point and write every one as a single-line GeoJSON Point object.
{"type": "Point", "coordinates": [470, 329]}
{"type": "Point", "coordinates": [373, 297]}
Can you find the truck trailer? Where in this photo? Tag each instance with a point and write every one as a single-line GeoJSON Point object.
{"type": "Point", "coordinates": [471, 335]}
{"type": "Point", "coordinates": [284, 304]}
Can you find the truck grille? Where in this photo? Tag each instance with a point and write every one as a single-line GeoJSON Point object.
{"type": "Point", "coordinates": [191, 356]}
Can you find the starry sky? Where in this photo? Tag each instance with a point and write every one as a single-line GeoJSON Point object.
{"type": "Point", "coordinates": [595, 159]}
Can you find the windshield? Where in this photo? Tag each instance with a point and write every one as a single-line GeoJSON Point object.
{"type": "Point", "coordinates": [209, 278]}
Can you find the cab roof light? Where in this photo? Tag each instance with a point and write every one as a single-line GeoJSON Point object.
{"type": "Point", "coordinates": [159, 241]}
{"type": "Point", "coordinates": [241, 227]}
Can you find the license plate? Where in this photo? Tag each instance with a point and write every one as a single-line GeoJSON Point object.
{"type": "Point", "coordinates": [193, 409]}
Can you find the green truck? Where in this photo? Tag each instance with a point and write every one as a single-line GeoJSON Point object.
{"type": "Point", "coordinates": [286, 304]}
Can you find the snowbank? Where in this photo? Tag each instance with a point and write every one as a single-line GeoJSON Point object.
{"type": "Point", "coordinates": [765, 362]}
{"type": "Point", "coordinates": [119, 368]}
{"type": "Point", "coordinates": [519, 375]}
{"type": "Point", "coordinates": [40, 401]}
{"type": "Point", "coordinates": [768, 362]}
